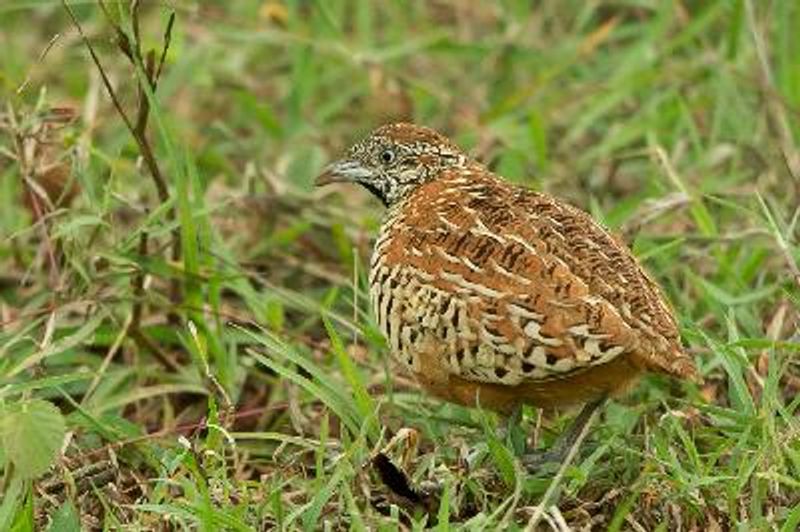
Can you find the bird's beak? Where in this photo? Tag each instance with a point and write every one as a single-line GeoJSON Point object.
{"type": "Point", "coordinates": [345, 170]}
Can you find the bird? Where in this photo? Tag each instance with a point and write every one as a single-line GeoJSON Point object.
{"type": "Point", "coordinates": [494, 295]}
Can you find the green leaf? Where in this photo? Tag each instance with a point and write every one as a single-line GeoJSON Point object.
{"type": "Point", "coordinates": [70, 227]}
{"type": "Point", "coordinates": [10, 502]}
{"type": "Point", "coordinates": [354, 378]}
{"type": "Point", "coordinates": [59, 346]}
{"type": "Point", "coordinates": [31, 433]}
{"type": "Point", "coordinates": [311, 512]}
{"type": "Point", "coordinates": [503, 458]}
{"type": "Point", "coordinates": [793, 520]}
{"type": "Point", "coordinates": [443, 516]}
{"type": "Point", "coordinates": [65, 519]}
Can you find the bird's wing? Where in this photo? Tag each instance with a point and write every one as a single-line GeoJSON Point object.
{"type": "Point", "coordinates": [519, 287]}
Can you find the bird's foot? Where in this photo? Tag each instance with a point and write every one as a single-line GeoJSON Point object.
{"type": "Point", "coordinates": [535, 460]}
{"type": "Point", "coordinates": [566, 446]}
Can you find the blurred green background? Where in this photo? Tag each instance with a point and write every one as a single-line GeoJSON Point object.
{"type": "Point", "coordinates": [203, 356]}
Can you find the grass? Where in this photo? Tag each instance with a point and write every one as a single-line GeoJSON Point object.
{"type": "Point", "coordinates": [201, 354]}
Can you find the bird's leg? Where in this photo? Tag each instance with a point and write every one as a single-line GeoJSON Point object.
{"type": "Point", "coordinates": [576, 432]}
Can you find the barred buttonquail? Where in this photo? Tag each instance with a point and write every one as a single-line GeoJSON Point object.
{"type": "Point", "coordinates": [494, 295]}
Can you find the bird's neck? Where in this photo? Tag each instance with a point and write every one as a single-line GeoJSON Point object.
{"type": "Point", "coordinates": [396, 195]}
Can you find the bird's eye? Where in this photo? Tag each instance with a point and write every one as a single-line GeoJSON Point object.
{"type": "Point", "coordinates": [387, 156]}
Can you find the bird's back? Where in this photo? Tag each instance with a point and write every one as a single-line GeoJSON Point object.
{"type": "Point", "coordinates": [474, 280]}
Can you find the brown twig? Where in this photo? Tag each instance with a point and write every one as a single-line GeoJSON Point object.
{"type": "Point", "coordinates": [137, 130]}
{"type": "Point", "coordinates": [137, 284]}
{"type": "Point", "coordinates": [144, 102]}
{"type": "Point", "coordinates": [167, 41]}
{"type": "Point", "coordinates": [144, 341]}
{"type": "Point", "coordinates": [106, 82]}
{"type": "Point", "coordinates": [133, 51]}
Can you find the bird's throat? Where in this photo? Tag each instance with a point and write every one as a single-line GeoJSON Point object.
{"type": "Point", "coordinates": [377, 192]}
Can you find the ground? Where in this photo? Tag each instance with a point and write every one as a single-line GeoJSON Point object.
{"type": "Point", "coordinates": [185, 338]}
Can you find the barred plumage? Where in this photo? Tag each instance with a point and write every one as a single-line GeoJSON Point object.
{"type": "Point", "coordinates": [494, 294]}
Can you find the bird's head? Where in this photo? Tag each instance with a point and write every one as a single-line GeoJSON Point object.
{"type": "Point", "coordinates": [393, 160]}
